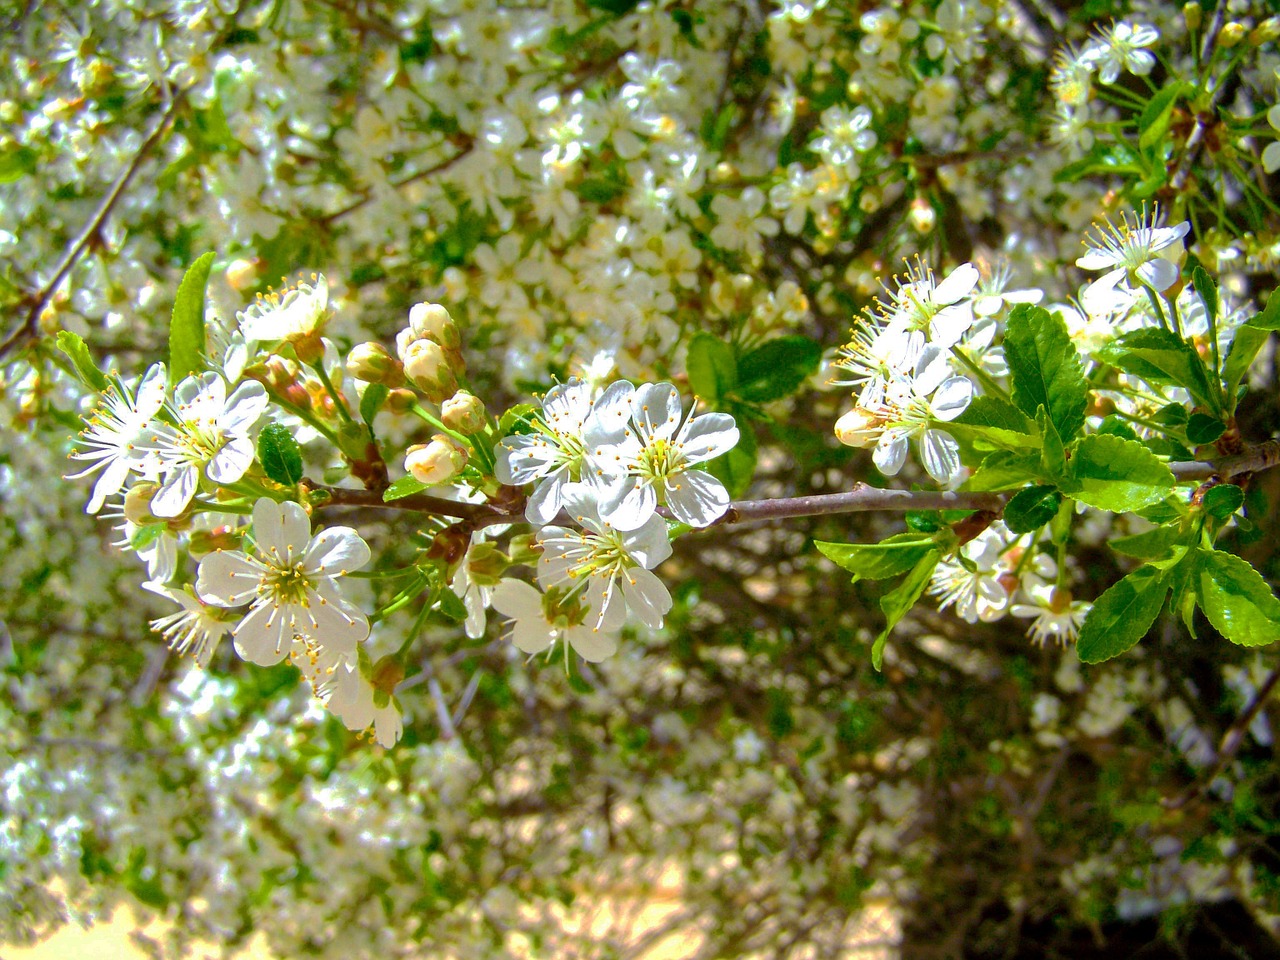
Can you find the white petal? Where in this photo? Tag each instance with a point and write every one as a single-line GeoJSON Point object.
{"type": "Point", "coordinates": [517, 600]}
{"type": "Point", "coordinates": [697, 498]}
{"type": "Point", "coordinates": [649, 544]}
{"type": "Point", "coordinates": [590, 644]}
{"type": "Point", "coordinates": [281, 530]}
{"type": "Point", "coordinates": [547, 498]}
{"type": "Point", "coordinates": [335, 551]}
{"type": "Point", "coordinates": [532, 634]}
{"type": "Point", "coordinates": [229, 464]}
{"type": "Point", "coordinates": [957, 284]}
{"type": "Point", "coordinates": [629, 505]}
{"type": "Point", "coordinates": [244, 407]}
{"type": "Point", "coordinates": [610, 415]}
{"type": "Point", "coordinates": [647, 597]}
{"type": "Point", "coordinates": [331, 621]}
{"type": "Point", "coordinates": [891, 451]}
{"type": "Point", "coordinates": [1160, 273]}
{"type": "Point", "coordinates": [176, 492]}
{"type": "Point", "coordinates": [941, 455]}
{"type": "Point", "coordinates": [1271, 155]}
{"type": "Point", "coordinates": [951, 399]}
{"type": "Point", "coordinates": [657, 410]}
{"type": "Point", "coordinates": [265, 635]}
{"type": "Point", "coordinates": [229, 578]}
{"type": "Point", "coordinates": [708, 436]}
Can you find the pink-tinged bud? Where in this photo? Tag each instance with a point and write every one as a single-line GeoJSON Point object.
{"type": "Point", "coordinates": [373, 363]}
{"type": "Point", "coordinates": [859, 428]}
{"type": "Point", "coordinates": [426, 365]}
{"type": "Point", "coordinates": [241, 274]}
{"type": "Point", "coordinates": [463, 412]}
{"type": "Point", "coordinates": [430, 321]}
{"type": "Point", "coordinates": [436, 462]}
{"type": "Point", "coordinates": [922, 216]}
{"type": "Point", "coordinates": [137, 504]}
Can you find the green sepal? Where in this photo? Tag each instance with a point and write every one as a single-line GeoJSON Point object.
{"type": "Point", "coordinates": [186, 324]}
{"type": "Point", "coordinates": [375, 394]}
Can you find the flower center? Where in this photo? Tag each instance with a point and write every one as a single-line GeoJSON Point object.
{"type": "Point", "coordinates": [660, 459]}
{"type": "Point", "coordinates": [290, 585]}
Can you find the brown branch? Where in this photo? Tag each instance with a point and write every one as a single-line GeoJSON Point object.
{"type": "Point", "coordinates": [1231, 743]}
{"type": "Point", "coordinates": [42, 298]}
{"type": "Point", "coordinates": [1195, 139]}
{"type": "Point", "coordinates": [465, 146]}
{"type": "Point", "coordinates": [1264, 456]}
{"type": "Point", "coordinates": [417, 502]}
{"type": "Point", "coordinates": [861, 499]}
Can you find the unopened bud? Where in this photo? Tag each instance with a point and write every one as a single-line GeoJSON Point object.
{"type": "Point", "coordinates": [208, 541]}
{"type": "Point", "coordinates": [373, 363]}
{"type": "Point", "coordinates": [241, 274]}
{"type": "Point", "coordinates": [426, 365]}
{"type": "Point", "coordinates": [859, 428]}
{"type": "Point", "coordinates": [308, 346]}
{"type": "Point", "coordinates": [436, 462]}
{"type": "Point", "coordinates": [449, 545]}
{"type": "Point", "coordinates": [486, 564]}
{"type": "Point", "coordinates": [463, 412]}
{"type": "Point", "coordinates": [524, 549]}
{"type": "Point", "coordinates": [431, 321]}
{"type": "Point", "coordinates": [1265, 32]}
{"type": "Point", "coordinates": [401, 401]}
{"type": "Point", "coordinates": [1230, 35]}
{"type": "Point", "coordinates": [137, 504]}
{"type": "Point", "coordinates": [922, 216]}
{"type": "Point", "coordinates": [1192, 15]}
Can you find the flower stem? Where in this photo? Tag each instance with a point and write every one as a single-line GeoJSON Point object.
{"type": "Point", "coordinates": [338, 402]}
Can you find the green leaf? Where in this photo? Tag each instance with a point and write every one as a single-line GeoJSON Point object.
{"type": "Point", "coordinates": [1045, 368]}
{"type": "Point", "coordinates": [1202, 428]}
{"type": "Point", "coordinates": [1053, 456]}
{"type": "Point", "coordinates": [16, 163]}
{"type": "Point", "coordinates": [1161, 356]}
{"type": "Point", "coordinates": [1222, 501]}
{"type": "Point", "coordinates": [372, 401]}
{"type": "Point", "coordinates": [776, 369]}
{"type": "Point", "coordinates": [902, 598]}
{"type": "Point", "coordinates": [990, 423]}
{"type": "Point", "coordinates": [1208, 292]}
{"type": "Point", "coordinates": [737, 468]}
{"type": "Point", "coordinates": [186, 326]}
{"type": "Point", "coordinates": [1269, 318]}
{"type": "Point", "coordinates": [1122, 615]}
{"type": "Point", "coordinates": [713, 372]}
{"type": "Point", "coordinates": [1005, 470]}
{"type": "Point", "coordinates": [1153, 124]}
{"type": "Point", "coordinates": [1032, 508]}
{"type": "Point", "coordinates": [279, 454]}
{"type": "Point", "coordinates": [878, 561]}
{"type": "Point", "coordinates": [1117, 475]}
{"type": "Point", "coordinates": [451, 606]}
{"type": "Point", "coordinates": [1244, 348]}
{"type": "Point", "coordinates": [77, 352]}
{"type": "Point", "coordinates": [1151, 544]}
{"type": "Point", "coordinates": [1237, 600]}
{"type": "Point", "coordinates": [404, 487]}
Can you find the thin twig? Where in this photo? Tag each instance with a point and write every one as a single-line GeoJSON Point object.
{"type": "Point", "coordinates": [1231, 743]}
{"type": "Point", "coordinates": [1195, 139]}
{"type": "Point", "coordinates": [464, 148]}
{"type": "Point", "coordinates": [41, 299]}
{"type": "Point", "coordinates": [862, 498]}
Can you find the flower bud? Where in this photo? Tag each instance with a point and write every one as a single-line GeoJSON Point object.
{"type": "Point", "coordinates": [1265, 32]}
{"type": "Point", "coordinates": [207, 541]}
{"type": "Point", "coordinates": [1192, 15]}
{"type": "Point", "coordinates": [859, 428]}
{"type": "Point", "coordinates": [137, 504]}
{"type": "Point", "coordinates": [436, 462]}
{"type": "Point", "coordinates": [401, 401]}
{"type": "Point", "coordinates": [426, 365]}
{"type": "Point", "coordinates": [1230, 35]}
{"type": "Point", "coordinates": [373, 363]}
{"type": "Point", "coordinates": [241, 274]}
{"type": "Point", "coordinates": [430, 321]}
{"type": "Point", "coordinates": [463, 412]}
{"type": "Point", "coordinates": [922, 216]}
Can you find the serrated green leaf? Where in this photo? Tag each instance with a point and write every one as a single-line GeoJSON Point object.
{"type": "Point", "coordinates": [1053, 455]}
{"type": "Point", "coordinates": [279, 454]}
{"type": "Point", "coordinates": [1119, 475]}
{"type": "Point", "coordinates": [1237, 600]}
{"type": "Point", "coordinates": [1208, 292]}
{"type": "Point", "coordinates": [878, 561]}
{"type": "Point", "coordinates": [902, 598]}
{"type": "Point", "coordinates": [1222, 500]}
{"type": "Point", "coordinates": [1045, 368]}
{"type": "Point", "coordinates": [1005, 470]}
{"type": "Point", "coordinates": [186, 325]}
{"type": "Point", "coordinates": [1150, 544]}
{"type": "Point", "coordinates": [1161, 356]}
{"type": "Point", "coordinates": [1032, 508]}
{"type": "Point", "coordinates": [777, 368]}
{"type": "Point", "coordinates": [1122, 615]}
{"type": "Point", "coordinates": [1202, 428]}
{"type": "Point", "coordinates": [404, 487]}
{"type": "Point", "coordinates": [1269, 317]}
{"type": "Point", "coordinates": [712, 369]}
{"type": "Point", "coordinates": [77, 352]}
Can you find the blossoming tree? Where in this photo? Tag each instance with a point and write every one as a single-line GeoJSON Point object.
{"type": "Point", "coordinates": [513, 551]}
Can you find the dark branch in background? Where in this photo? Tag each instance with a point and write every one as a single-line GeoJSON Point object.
{"type": "Point", "coordinates": [1195, 139]}
{"type": "Point", "coordinates": [861, 499]}
{"type": "Point", "coordinates": [464, 145]}
{"type": "Point", "coordinates": [41, 298]}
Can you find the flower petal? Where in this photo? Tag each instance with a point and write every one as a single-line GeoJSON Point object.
{"type": "Point", "coordinates": [592, 645]}
{"type": "Point", "coordinates": [281, 530]}
{"type": "Point", "coordinates": [657, 410]}
{"type": "Point", "coordinates": [646, 595]}
{"type": "Point", "coordinates": [708, 436]}
{"type": "Point", "coordinates": [335, 551]}
{"type": "Point", "coordinates": [265, 635]}
{"type": "Point", "coordinates": [229, 578]}
{"type": "Point", "coordinates": [697, 498]}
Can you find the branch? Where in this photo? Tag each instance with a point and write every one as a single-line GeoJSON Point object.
{"type": "Point", "coordinates": [464, 148]}
{"type": "Point", "coordinates": [1195, 139]}
{"type": "Point", "coordinates": [861, 499]}
{"type": "Point", "coordinates": [41, 299]}
{"type": "Point", "coordinates": [1264, 456]}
